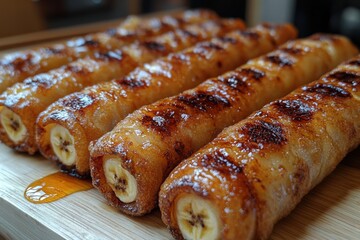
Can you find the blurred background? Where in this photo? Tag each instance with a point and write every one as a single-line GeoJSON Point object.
{"type": "Point", "coordinates": [27, 16]}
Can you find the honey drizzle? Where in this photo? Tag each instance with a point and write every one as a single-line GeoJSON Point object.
{"type": "Point", "coordinates": [54, 187]}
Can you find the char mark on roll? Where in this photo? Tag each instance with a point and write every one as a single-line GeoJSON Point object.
{"type": "Point", "coordinates": [91, 43]}
{"type": "Point", "coordinates": [228, 40]}
{"type": "Point", "coordinates": [154, 46]}
{"type": "Point", "coordinates": [292, 50]}
{"type": "Point", "coordinates": [252, 35]}
{"type": "Point", "coordinates": [345, 77]}
{"type": "Point", "coordinates": [238, 80]}
{"type": "Point", "coordinates": [280, 60]}
{"type": "Point", "coordinates": [220, 161]}
{"type": "Point", "coordinates": [164, 118]}
{"type": "Point", "coordinates": [131, 82]}
{"type": "Point", "coordinates": [203, 101]}
{"type": "Point", "coordinates": [210, 45]}
{"type": "Point", "coordinates": [264, 132]}
{"type": "Point", "coordinates": [355, 62]}
{"type": "Point", "coordinates": [296, 109]}
{"type": "Point", "coordinates": [323, 37]}
{"type": "Point", "coordinates": [78, 101]}
{"type": "Point", "coordinates": [327, 90]}
{"type": "Point", "coordinates": [109, 55]}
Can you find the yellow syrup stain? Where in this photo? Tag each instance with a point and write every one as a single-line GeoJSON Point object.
{"type": "Point", "coordinates": [55, 186]}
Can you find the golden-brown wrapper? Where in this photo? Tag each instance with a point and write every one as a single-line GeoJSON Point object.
{"type": "Point", "coordinates": [94, 111]}
{"type": "Point", "coordinates": [29, 98]}
{"type": "Point", "coordinates": [273, 158]}
{"type": "Point", "coordinates": [125, 141]}
{"type": "Point", "coordinates": [15, 67]}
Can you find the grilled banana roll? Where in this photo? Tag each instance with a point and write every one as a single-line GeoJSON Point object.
{"type": "Point", "coordinates": [256, 171]}
{"type": "Point", "coordinates": [130, 163]}
{"type": "Point", "coordinates": [24, 101]}
{"type": "Point", "coordinates": [81, 117]}
{"type": "Point", "coordinates": [15, 67]}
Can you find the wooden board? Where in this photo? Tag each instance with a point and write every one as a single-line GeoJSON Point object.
{"type": "Point", "coordinates": [330, 211]}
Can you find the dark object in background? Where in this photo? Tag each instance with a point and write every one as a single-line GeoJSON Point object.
{"type": "Point", "coordinates": [54, 8]}
{"type": "Point", "coordinates": [62, 13]}
{"type": "Point", "coordinates": [334, 16]}
{"type": "Point", "coordinates": [225, 8]}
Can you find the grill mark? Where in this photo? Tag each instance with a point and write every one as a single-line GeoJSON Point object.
{"type": "Point", "coordinates": [154, 46]}
{"type": "Point", "coordinates": [297, 110]}
{"type": "Point", "coordinates": [264, 132]}
{"type": "Point", "coordinates": [220, 161]}
{"type": "Point", "coordinates": [268, 26]}
{"type": "Point", "coordinates": [19, 63]}
{"type": "Point", "coordinates": [80, 70]}
{"type": "Point", "coordinates": [228, 40]}
{"type": "Point", "coordinates": [327, 90]}
{"type": "Point", "coordinates": [91, 43]}
{"type": "Point", "coordinates": [109, 56]}
{"type": "Point", "coordinates": [111, 32]}
{"type": "Point", "coordinates": [238, 80]}
{"type": "Point", "coordinates": [355, 62]}
{"type": "Point", "coordinates": [280, 60]}
{"type": "Point", "coordinates": [210, 45]}
{"type": "Point", "coordinates": [324, 37]}
{"type": "Point", "coordinates": [131, 82]}
{"type": "Point", "coordinates": [178, 21]}
{"type": "Point", "coordinates": [55, 51]}
{"type": "Point", "coordinates": [203, 101]}
{"type": "Point", "coordinates": [189, 34]}
{"type": "Point", "coordinates": [78, 101]}
{"type": "Point", "coordinates": [345, 77]}
{"type": "Point", "coordinates": [41, 80]}
{"type": "Point", "coordinates": [292, 50]}
{"type": "Point", "coordinates": [252, 35]}
{"type": "Point", "coordinates": [163, 119]}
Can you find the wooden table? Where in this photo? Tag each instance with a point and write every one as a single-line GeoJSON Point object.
{"type": "Point", "coordinates": [330, 211]}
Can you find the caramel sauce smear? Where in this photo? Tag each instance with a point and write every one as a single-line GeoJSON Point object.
{"type": "Point", "coordinates": [54, 187]}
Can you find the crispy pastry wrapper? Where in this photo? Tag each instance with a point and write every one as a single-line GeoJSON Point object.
{"type": "Point", "coordinates": [154, 139]}
{"type": "Point", "coordinates": [17, 66]}
{"type": "Point", "coordinates": [106, 104]}
{"type": "Point", "coordinates": [29, 98]}
{"type": "Point", "coordinates": [251, 43]}
{"type": "Point", "coordinates": [262, 166]}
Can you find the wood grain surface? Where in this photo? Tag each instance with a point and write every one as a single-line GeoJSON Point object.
{"type": "Point", "coordinates": [330, 211]}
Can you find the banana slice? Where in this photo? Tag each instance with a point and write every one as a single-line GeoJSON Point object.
{"type": "Point", "coordinates": [62, 143]}
{"type": "Point", "coordinates": [122, 182]}
{"type": "Point", "coordinates": [197, 218]}
{"type": "Point", "coordinates": [13, 125]}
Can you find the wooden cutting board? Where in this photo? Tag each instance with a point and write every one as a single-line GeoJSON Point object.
{"type": "Point", "coordinates": [330, 211]}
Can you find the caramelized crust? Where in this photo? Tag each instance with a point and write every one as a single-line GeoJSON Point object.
{"type": "Point", "coordinates": [248, 45]}
{"type": "Point", "coordinates": [112, 101]}
{"type": "Point", "coordinates": [15, 67]}
{"type": "Point", "coordinates": [29, 98]}
{"type": "Point", "coordinates": [270, 160]}
{"type": "Point", "coordinates": [154, 139]}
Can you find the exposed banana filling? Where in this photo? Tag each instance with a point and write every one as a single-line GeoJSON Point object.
{"type": "Point", "coordinates": [197, 218]}
{"type": "Point", "coordinates": [122, 182]}
{"type": "Point", "coordinates": [62, 143]}
{"type": "Point", "coordinates": [13, 125]}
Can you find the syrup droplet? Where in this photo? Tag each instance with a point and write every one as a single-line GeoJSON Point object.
{"type": "Point", "coordinates": [54, 187]}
